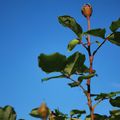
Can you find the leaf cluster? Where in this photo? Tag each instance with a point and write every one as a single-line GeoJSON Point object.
{"type": "Point", "coordinates": [74, 64]}
{"type": "Point", "coordinates": [7, 113]}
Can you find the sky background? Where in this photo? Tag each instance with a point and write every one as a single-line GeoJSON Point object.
{"type": "Point", "coordinates": [30, 27]}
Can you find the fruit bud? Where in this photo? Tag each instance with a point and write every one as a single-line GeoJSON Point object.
{"type": "Point", "coordinates": [43, 111]}
{"type": "Point", "coordinates": [87, 10]}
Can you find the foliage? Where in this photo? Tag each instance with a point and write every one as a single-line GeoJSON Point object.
{"type": "Point", "coordinates": [115, 102]}
{"type": "Point", "coordinates": [72, 44]}
{"type": "Point", "coordinates": [114, 38]}
{"type": "Point", "coordinates": [52, 63]}
{"type": "Point", "coordinates": [71, 23]}
{"type": "Point", "coordinates": [34, 113]}
{"type": "Point", "coordinates": [115, 25]}
{"type": "Point", "coordinates": [74, 65]}
{"type": "Point", "coordinates": [97, 32]}
{"type": "Point", "coordinates": [7, 113]}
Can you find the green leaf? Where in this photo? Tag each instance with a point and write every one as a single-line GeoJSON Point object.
{"type": "Point", "coordinates": [115, 112]}
{"type": "Point", "coordinates": [82, 69]}
{"type": "Point", "coordinates": [58, 115]}
{"type": "Point", "coordinates": [52, 63]}
{"type": "Point", "coordinates": [115, 102]}
{"type": "Point", "coordinates": [72, 44]}
{"type": "Point", "coordinates": [115, 115]}
{"type": "Point", "coordinates": [97, 32]}
{"type": "Point", "coordinates": [34, 113]}
{"type": "Point", "coordinates": [53, 77]}
{"type": "Point", "coordinates": [73, 62]}
{"type": "Point", "coordinates": [114, 38]}
{"type": "Point", "coordinates": [97, 117]}
{"type": "Point", "coordinates": [7, 113]}
{"type": "Point", "coordinates": [88, 118]}
{"type": "Point", "coordinates": [101, 96]}
{"type": "Point", "coordinates": [71, 23]}
{"type": "Point", "coordinates": [1, 114]}
{"type": "Point", "coordinates": [77, 112]}
{"type": "Point", "coordinates": [106, 95]}
{"type": "Point", "coordinates": [85, 77]}
{"type": "Point", "coordinates": [74, 84]}
{"type": "Point", "coordinates": [115, 25]}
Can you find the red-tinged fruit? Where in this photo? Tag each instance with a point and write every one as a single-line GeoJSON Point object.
{"type": "Point", "coordinates": [43, 111]}
{"type": "Point", "coordinates": [87, 10]}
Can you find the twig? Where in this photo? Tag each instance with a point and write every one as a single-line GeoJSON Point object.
{"type": "Point", "coordinates": [79, 85]}
{"type": "Point", "coordinates": [99, 47]}
{"type": "Point", "coordinates": [94, 106]}
{"type": "Point", "coordinates": [84, 45]}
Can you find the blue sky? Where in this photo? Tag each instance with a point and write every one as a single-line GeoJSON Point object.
{"type": "Point", "coordinates": [30, 27]}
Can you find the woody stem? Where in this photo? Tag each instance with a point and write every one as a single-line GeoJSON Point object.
{"type": "Point", "coordinates": [90, 71]}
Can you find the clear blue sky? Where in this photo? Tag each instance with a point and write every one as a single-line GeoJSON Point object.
{"type": "Point", "coordinates": [30, 27]}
